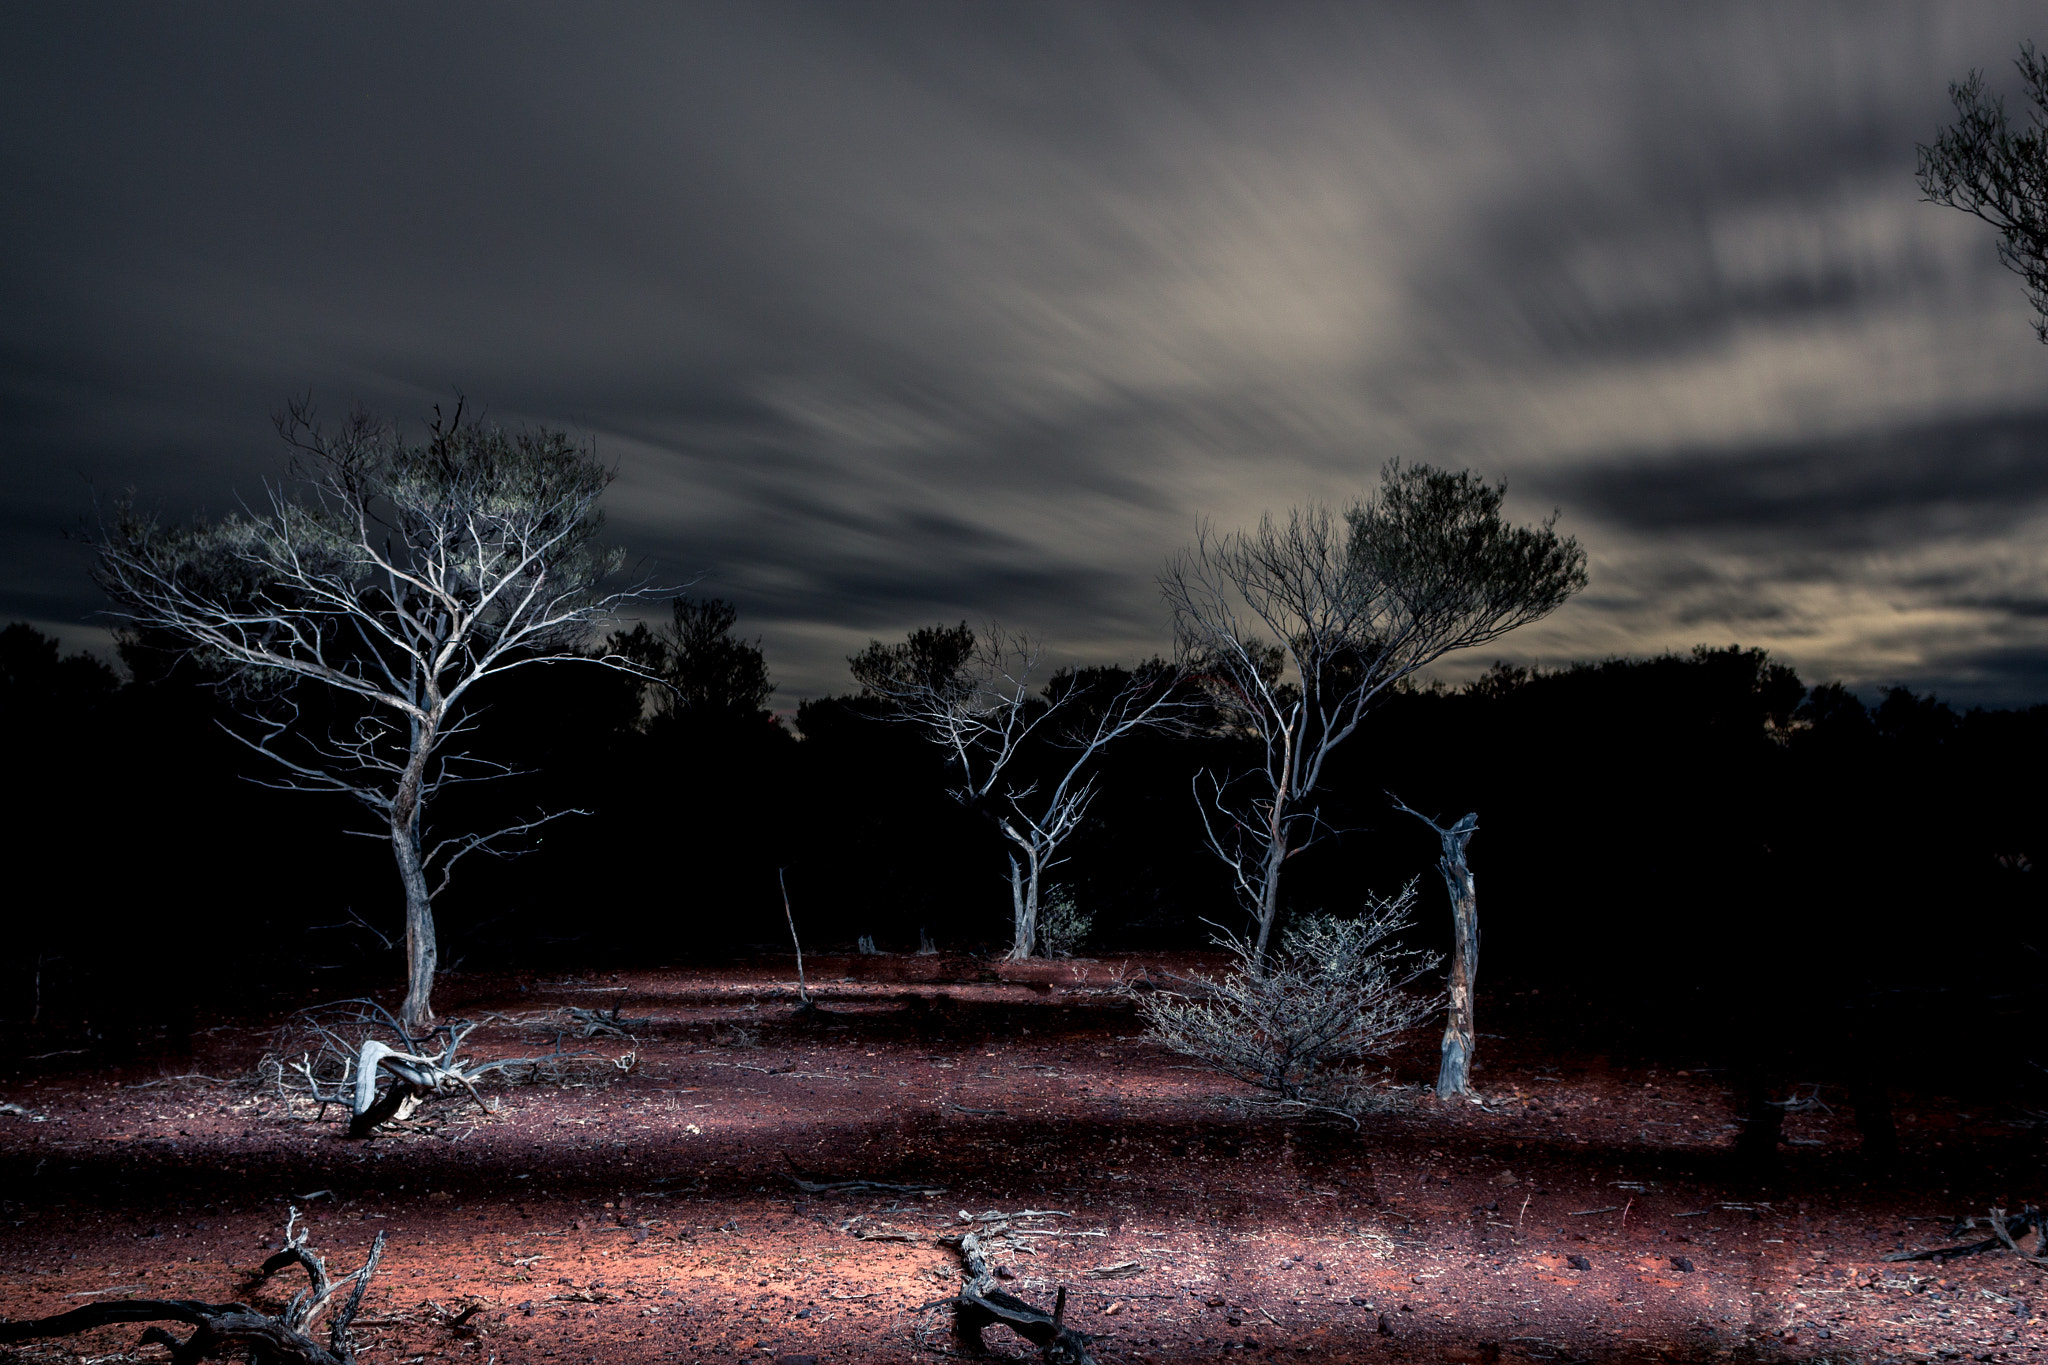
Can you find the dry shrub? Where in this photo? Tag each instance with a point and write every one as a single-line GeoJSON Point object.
{"type": "Point", "coordinates": [1300, 1031]}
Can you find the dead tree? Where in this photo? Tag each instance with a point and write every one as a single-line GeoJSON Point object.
{"type": "Point", "coordinates": [224, 1329]}
{"type": "Point", "coordinates": [399, 576]}
{"type": "Point", "coordinates": [1021, 751]}
{"type": "Point", "coordinates": [1461, 1040]}
{"type": "Point", "coordinates": [1296, 629]}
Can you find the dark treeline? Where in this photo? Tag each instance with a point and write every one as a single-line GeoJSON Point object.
{"type": "Point", "coordinates": [1699, 848]}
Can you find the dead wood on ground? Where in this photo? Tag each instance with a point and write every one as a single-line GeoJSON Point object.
{"type": "Point", "coordinates": [980, 1303]}
{"type": "Point", "coordinates": [2007, 1229]}
{"type": "Point", "coordinates": [346, 1050]}
{"type": "Point", "coordinates": [852, 1186]}
{"type": "Point", "coordinates": [224, 1329]}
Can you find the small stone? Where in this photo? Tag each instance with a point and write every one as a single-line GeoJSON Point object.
{"type": "Point", "coordinates": [1578, 1262]}
{"type": "Point", "coordinates": [1681, 1263]}
{"type": "Point", "coordinates": [1386, 1328]}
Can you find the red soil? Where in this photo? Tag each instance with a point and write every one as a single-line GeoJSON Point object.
{"type": "Point", "coordinates": [648, 1216]}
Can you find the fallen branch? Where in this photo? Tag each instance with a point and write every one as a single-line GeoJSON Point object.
{"type": "Point", "coordinates": [2003, 1227]}
{"type": "Point", "coordinates": [224, 1329]}
{"type": "Point", "coordinates": [592, 1023]}
{"type": "Point", "coordinates": [980, 1303]}
{"type": "Point", "coordinates": [2007, 1229]}
{"type": "Point", "coordinates": [856, 1186]}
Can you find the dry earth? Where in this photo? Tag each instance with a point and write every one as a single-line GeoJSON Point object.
{"type": "Point", "coordinates": [1588, 1212]}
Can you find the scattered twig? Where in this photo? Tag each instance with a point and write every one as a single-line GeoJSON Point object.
{"type": "Point", "coordinates": [1122, 1270]}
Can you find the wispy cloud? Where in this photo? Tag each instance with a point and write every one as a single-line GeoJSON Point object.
{"type": "Point", "coordinates": [903, 314]}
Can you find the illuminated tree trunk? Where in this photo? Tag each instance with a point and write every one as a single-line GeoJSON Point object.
{"type": "Point", "coordinates": [422, 951]}
{"type": "Point", "coordinates": [1461, 1037]}
{"type": "Point", "coordinates": [1454, 1072]}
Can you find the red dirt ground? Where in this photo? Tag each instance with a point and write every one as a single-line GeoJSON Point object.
{"type": "Point", "coordinates": [648, 1217]}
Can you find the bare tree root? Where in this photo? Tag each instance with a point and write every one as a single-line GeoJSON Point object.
{"type": "Point", "coordinates": [980, 1303]}
{"type": "Point", "coordinates": [224, 1329]}
{"type": "Point", "coordinates": [2007, 1230]}
{"type": "Point", "coordinates": [342, 1060]}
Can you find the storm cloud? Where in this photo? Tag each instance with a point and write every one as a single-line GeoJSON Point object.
{"type": "Point", "coordinates": [893, 314]}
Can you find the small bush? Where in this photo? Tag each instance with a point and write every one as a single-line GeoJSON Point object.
{"type": "Point", "coordinates": [1062, 928]}
{"type": "Point", "coordinates": [1335, 994]}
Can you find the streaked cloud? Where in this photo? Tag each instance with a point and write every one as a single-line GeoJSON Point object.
{"type": "Point", "coordinates": [907, 313]}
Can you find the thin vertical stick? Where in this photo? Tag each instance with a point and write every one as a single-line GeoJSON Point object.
{"type": "Point", "coordinates": [802, 992]}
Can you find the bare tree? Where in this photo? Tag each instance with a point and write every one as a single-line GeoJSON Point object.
{"type": "Point", "coordinates": [1296, 629]}
{"type": "Point", "coordinates": [1021, 752]}
{"type": "Point", "coordinates": [1991, 170]}
{"type": "Point", "coordinates": [398, 575]}
{"type": "Point", "coordinates": [1454, 1070]}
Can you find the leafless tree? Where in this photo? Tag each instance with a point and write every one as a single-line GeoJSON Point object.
{"type": "Point", "coordinates": [1297, 627]}
{"type": "Point", "coordinates": [1021, 751]}
{"type": "Point", "coordinates": [400, 576]}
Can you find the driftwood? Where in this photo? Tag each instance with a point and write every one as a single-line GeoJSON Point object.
{"type": "Point", "coordinates": [224, 1329]}
{"type": "Point", "coordinates": [348, 1062]}
{"type": "Point", "coordinates": [980, 1303]}
{"type": "Point", "coordinates": [2008, 1230]}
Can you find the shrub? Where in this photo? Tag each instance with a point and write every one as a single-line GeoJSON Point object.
{"type": "Point", "coordinates": [1335, 995]}
{"type": "Point", "coordinates": [1061, 926]}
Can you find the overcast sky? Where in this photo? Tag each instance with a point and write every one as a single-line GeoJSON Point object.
{"type": "Point", "coordinates": [893, 314]}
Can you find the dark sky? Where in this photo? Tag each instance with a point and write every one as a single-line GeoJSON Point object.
{"type": "Point", "coordinates": [893, 314]}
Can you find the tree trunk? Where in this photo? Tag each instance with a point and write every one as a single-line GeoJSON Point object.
{"type": "Point", "coordinates": [1454, 1072]}
{"type": "Point", "coordinates": [1461, 1037]}
{"type": "Point", "coordinates": [422, 952]}
{"type": "Point", "coordinates": [1024, 903]}
{"type": "Point", "coordinates": [1269, 896]}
